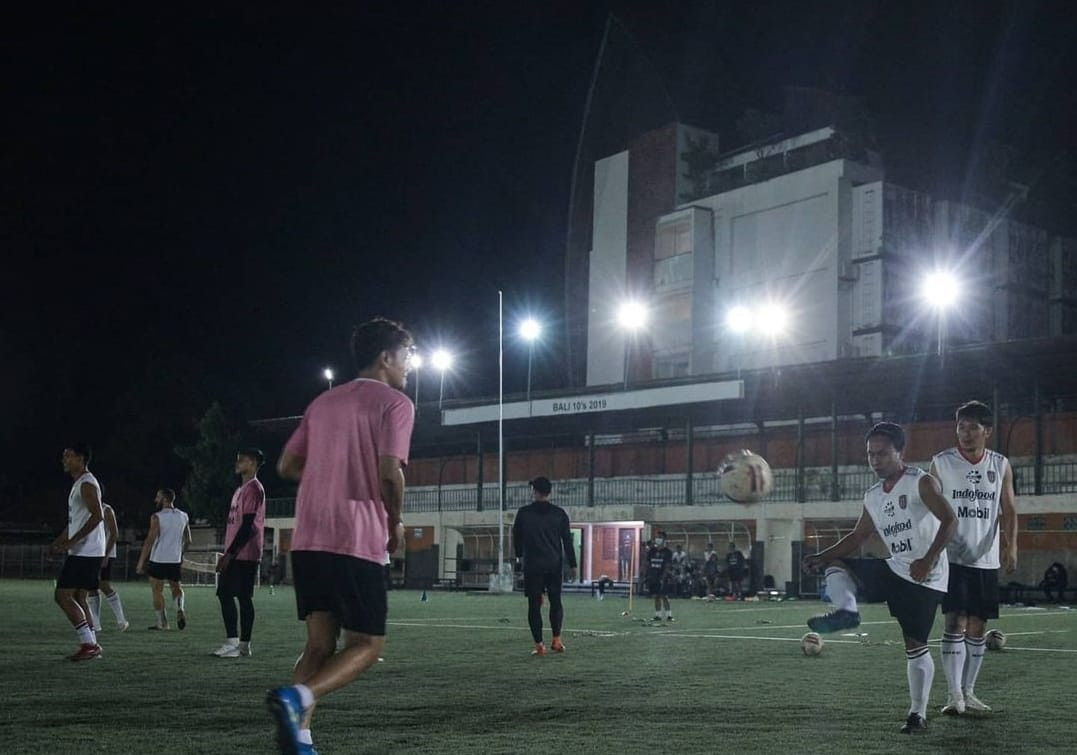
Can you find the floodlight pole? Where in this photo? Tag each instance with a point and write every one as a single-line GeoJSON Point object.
{"type": "Point", "coordinates": [501, 439]}
{"type": "Point", "coordinates": [441, 390]}
{"type": "Point", "coordinates": [416, 390]}
{"type": "Point", "coordinates": [530, 352]}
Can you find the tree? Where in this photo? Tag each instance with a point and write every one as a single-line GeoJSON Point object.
{"type": "Point", "coordinates": [699, 160]}
{"type": "Point", "coordinates": [211, 480]}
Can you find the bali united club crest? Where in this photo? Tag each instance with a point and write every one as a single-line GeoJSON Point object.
{"type": "Point", "coordinates": [903, 502]}
{"type": "Point", "coordinates": [991, 475]}
{"type": "Point", "coordinates": [974, 476]}
{"type": "Point", "coordinates": [888, 509]}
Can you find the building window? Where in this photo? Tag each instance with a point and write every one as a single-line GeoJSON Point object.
{"type": "Point", "coordinates": [673, 239]}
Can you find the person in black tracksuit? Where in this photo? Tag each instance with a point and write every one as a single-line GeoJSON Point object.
{"type": "Point", "coordinates": [542, 540]}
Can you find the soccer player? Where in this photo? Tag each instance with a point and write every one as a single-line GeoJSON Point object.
{"type": "Point", "coordinates": [93, 598]}
{"type": "Point", "coordinates": [348, 455]}
{"type": "Point", "coordinates": [659, 562]}
{"type": "Point", "coordinates": [541, 538]}
{"type": "Point", "coordinates": [978, 483]}
{"type": "Point", "coordinates": [735, 565]}
{"type": "Point", "coordinates": [907, 509]}
{"type": "Point", "coordinates": [169, 536]}
{"type": "Point", "coordinates": [84, 542]}
{"type": "Point", "coordinates": [238, 567]}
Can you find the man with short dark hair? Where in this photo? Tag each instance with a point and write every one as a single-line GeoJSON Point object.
{"type": "Point", "coordinates": [238, 567]}
{"type": "Point", "coordinates": [659, 564]}
{"type": "Point", "coordinates": [542, 540]}
{"type": "Point", "coordinates": [978, 484]}
{"type": "Point", "coordinates": [906, 508]}
{"type": "Point", "coordinates": [84, 542]}
{"type": "Point", "coordinates": [168, 538]}
{"type": "Point", "coordinates": [735, 567]}
{"type": "Point", "coordinates": [348, 456]}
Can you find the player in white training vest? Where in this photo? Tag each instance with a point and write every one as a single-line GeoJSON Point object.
{"type": "Point", "coordinates": [978, 483]}
{"type": "Point", "coordinates": [168, 538]}
{"type": "Point", "coordinates": [93, 599]}
{"type": "Point", "coordinates": [84, 542]}
{"type": "Point", "coordinates": [908, 511]}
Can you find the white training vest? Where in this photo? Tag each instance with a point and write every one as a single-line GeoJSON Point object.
{"type": "Point", "coordinates": [93, 545]}
{"type": "Point", "coordinates": [112, 550]}
{"type": "Point", "coordinates": [907, 526]}
{"type": "Point", "coordinates": [975, 494]}
{"type": "Point", "coordinates": [168, 549]}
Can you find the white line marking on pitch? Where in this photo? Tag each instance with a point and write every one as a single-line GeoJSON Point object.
{"type": "Point", "coordinates": [597, 632]}
{"type": "Point", "coordinates": [750, 637]}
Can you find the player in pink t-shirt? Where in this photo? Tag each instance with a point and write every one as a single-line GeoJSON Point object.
{"type": "Point", "coordinates": [348, 455]}
{"type": "Point", "coordinates": [238, 567]}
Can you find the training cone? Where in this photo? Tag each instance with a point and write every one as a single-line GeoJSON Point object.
{"type": "Point", "coordinates": [423, 598]}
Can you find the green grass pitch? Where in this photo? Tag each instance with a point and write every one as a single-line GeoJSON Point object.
{"type": "Point", "coordinates": [458, 678]}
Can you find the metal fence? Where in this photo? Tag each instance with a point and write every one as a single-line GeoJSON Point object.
{"type": "Point", "coordinates": [815, 484]}
{"type": "Point", "coordinates": [35, 562]}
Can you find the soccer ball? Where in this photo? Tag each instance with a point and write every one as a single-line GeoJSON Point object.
{"type": "Point", "coordinates": [996, 640]}
{"type": "Point", "coordinates": [811, 643]}
{"type": "Point", "coordinates": [746, 477]}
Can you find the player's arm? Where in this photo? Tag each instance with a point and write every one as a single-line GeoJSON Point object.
{"type": "Point", "coordinates": [518, 538]}
{"type": "Point", "coordinates": [844, 547]}
{"type": "Point", "coordinates": [151, 538]}
{"type": "Point", "coordinates": [290, 466]}
{"type": "Point", "coordinates": [931, 495]}
{"type": "Point", "coordinates": [186, 537]}
{"type": "Point", "coordinates": [93, 505]}
{"type": "Point", "coordinates": [391, 479]}
{"type": "Point", "coordinates": [1009, 522]}
{"type": "Point", "coordinates": [253, 499]}
{"type": "Point", "coordinates": [566, 542]}
{"type": "Point", "coordinates": [112, 532]}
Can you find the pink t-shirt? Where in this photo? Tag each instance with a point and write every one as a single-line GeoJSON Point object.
{"type": "Point", "coordinates": [249, 498]}
{"type": "Point", "coordinates": [339, 508]}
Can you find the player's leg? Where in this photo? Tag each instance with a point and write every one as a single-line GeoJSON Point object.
{"type": "Point", "coordinates": [915, 606]}
{"type": "Point", "coordinates": [953, 651]}
{"type": "Point", "coordinates": [157, 588]}
{"type": "Point", "coordinates": [178, 598]}
{"type": "Point", "coordinates": [227, 587]}
{"type": "Point", "coordinates": [974, 658]}
{"type": "Point", "coordinates": [654, 589]}
{"type": "Point", "coordinates": [93, 603]}
{"type": "Point", "coordinates": [841, 579]}
{"type": "Point", "coordinates": [557, 611]}
{"type": "Point", "coordinates": [245, 597]}
{"type": "Point", "coordinates": [534, 584]}
{"type": "Point", "coordinates": [112, 597]}
{"type": "Point", "coordinates": [667, 587]}
{"type": "Point", "coordinates": [76, 577]}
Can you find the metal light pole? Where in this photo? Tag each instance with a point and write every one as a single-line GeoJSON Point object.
{"type": "Point", "coordinates": [442, 360]}
{"type": "Point", "coordinates": [327, 373]}
{"type": "Point", "coordinates": [530, 330]}
{"type": "Point", "coordinates": [631, 316]}
{"type": "Point", "coordinates": [416, 363]}
{"type": "Point", "coordinates": [500, 439]}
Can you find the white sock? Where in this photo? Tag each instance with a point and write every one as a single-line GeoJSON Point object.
{"type": "Point", "coordinates": [85, 634]}
{"type": "Point", "coordinates": [304, 737]}
{"type": "Point", "coordinates": [179, 602]}
{"type": "Point", "coordinates": [162, 618]}
{"type": "Point", "coordinates": [93, 602]}
{"type": "Point", "coordinates": [116, 606]}
{"type": "Point", "coordinates": [920, 669]}
{"type": "Point", "coordinates": [306, 697]}
{"type": "Point", "coordinates": [233, 641]}
{"type": "Point", "coordinates": [841, 589]}
{"type": "Point", "coordinates": [974, 647]}
{"type": "Point", "coordinates": [953, 661]}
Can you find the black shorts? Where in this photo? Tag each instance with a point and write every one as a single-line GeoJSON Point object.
{"type": "Point", "coordinates": [972, 591]}
{"type": "Point", "coordinates": [351, 589]}
{"type": "Point", "coordinates": [237, 581]}
{"type": "Point", "coordinates": [659, 588]}
{"type": "Point", "coordinates": [170, 572]}
{"type": "Point", "coordinates": [106, 570]}
{"type": "Point", "coordinates": [538, 582]}
{"type": "Point", "coordinates": [914, 606]}
{"type": "Point", "coordinates": [79, 573]}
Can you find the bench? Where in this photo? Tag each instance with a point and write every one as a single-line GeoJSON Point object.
{"type": "Point", "coordinates": [1015, 592]}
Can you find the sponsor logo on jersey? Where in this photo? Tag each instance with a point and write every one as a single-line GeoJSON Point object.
{"type": "Point", "coordinates": [972, 512]}
{"type": "Point", "coordinates": [888, 508]}
{"type": "Point", "coordinates": [901, 546]}
{"type": "Point", "coordinates": [903, 502]}
{"type": "Point", "coordinates": [897, 528]}
{"type": "Point", "coordinates": [974, 476]}
{"type": "Point", "coordinates": [973, 495]}
{"type": "Point", "coordinates": [990, 475]}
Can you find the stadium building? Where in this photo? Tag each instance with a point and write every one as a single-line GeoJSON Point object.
{"type": "Point", "coordinates": [783, 290]}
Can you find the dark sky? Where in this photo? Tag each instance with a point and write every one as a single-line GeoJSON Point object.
{"type": "Point", "coordinates": [215, 196]}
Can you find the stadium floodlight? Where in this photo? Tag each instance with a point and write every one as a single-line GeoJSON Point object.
{"type": "Point", "coordinates": [773, 319]}
{"type": "Point", "coordinates": [739, 319]}
{"type": "Point", "coordinates": [442, 361]}
{"type": "Point", "coordinates": [940, 290]}
{"type": "Point", "coordinates": [327, 373]}
{"type": "Point", "coordinates": [530, 329]}
{"type": "Point", "coordinates": [632, 315]}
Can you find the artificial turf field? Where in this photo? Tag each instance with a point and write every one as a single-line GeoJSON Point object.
{"type": "Point", "coordinates": [458, 678]}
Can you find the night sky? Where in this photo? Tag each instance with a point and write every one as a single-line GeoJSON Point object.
{"type": "Point", "coordinates": [198, 206]}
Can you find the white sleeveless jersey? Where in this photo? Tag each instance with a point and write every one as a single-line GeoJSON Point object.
{"type": "Point", "coordinates": [77, 516]}
{"type": "Point", "coordinates": [907, 526]}
{"type": "Point", "coordinates": [112, 550]}
{"type": "Point", "coordinates": [168, 549]}
{"type": "Point", "coordinates": [975, 494]}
